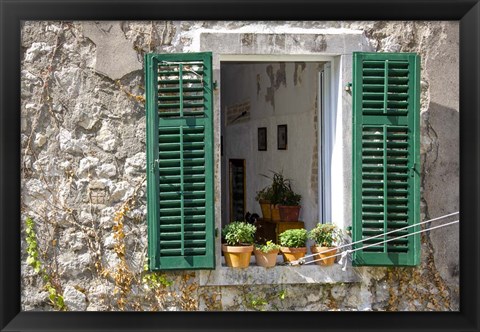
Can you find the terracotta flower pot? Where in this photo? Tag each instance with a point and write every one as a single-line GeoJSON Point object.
{"type": "Point", "coordinates": [237, 256]}
{"type": "Point", "coordinates": [322, 257]}
{"type": "Point", "coordinates": [266, 209]}
{"type": "Point", "coordinates": [293, 254]}
{"type": "Point", "coordinates": [268, 259]}
{"type": "Point", "coordinates": [289, 213]}
{"type": "Point", "coordinates": [275, 212]}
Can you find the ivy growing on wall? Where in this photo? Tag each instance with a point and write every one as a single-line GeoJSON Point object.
{"type": "Point", "coordinates": [54, 294]}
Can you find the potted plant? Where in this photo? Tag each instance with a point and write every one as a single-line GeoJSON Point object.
{"type": "Point", "coordinates": [293, 244]}
{"type": "Point", "coordinates": [239, 237]}
{"type": "Point", "coordinates": [326, 238]}
{"type": "Point", "coordinates": [264, 199]}
{"type": "Point", "coordinates": [289, 207]}
{"type": "Point", "coordinates": [280, 193]}
{"type": "Point", "coordinates": [266, 254]}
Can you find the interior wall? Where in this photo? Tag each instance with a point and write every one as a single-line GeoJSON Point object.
{"type": "Point", "coordinates": [278, 93]}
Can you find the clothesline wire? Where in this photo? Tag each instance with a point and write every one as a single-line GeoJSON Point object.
{"type": "Point", "coordinates": [302, 261]}
{"type": "Point", "coordinates": [348, 251]}
{"type": "Point", "coordinates": [383, 234]}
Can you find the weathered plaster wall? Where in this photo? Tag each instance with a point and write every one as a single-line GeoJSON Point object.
{"type": "Point", "coordinates": [83, 170]}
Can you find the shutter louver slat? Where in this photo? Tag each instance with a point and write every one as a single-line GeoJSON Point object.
{"type": "Point", "coordinates": [181, 106]}
{"type": "Point", "coordinates": [386, 190]}
{"type": "Point", "coordinates": [193, 205]}
{"type": "Point", "coordinates": [181, 87]}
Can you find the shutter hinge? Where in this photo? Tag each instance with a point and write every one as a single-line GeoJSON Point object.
{"type": "Point", "coordinates": [349, 230]}
{"type": "Point", "coordinates": [349, 87]}
{"type": "Point", "coordinates": [414, 170]}
{"type": "Point", "coordinates": [154, 164]}
{"type": "Point", "coordinates": [216, 232]}
{"type": "Point", "coordinates": [214, 85]}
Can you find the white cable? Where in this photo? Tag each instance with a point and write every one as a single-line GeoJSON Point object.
{"type": "Point", "coordinates": [346, 252]}
{"type": "Point", "coordinates": [343, 260]}
{"type": "Point", "coordinates": [383, 234]}
{"type": "Point", "coordinates": [406, 235]}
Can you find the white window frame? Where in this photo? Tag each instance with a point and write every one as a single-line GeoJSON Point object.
{"type": "Point", "coordinates": [334, 104]}
{"type": "Point", "coordinates": [229, 46]}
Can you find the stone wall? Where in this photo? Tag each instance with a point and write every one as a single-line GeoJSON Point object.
{"type": "Point", "coordinates": [83, 174]}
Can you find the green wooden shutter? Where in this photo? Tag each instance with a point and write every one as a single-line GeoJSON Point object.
{"type": "Point", "coordinates": [386, 157]}
{"type": "Point", "coordinates": [180, 161]}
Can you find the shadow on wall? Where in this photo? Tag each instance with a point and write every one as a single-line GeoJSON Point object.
{"type": "Point", "coordinates": [440, 180]}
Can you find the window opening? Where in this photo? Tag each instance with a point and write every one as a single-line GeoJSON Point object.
{"type": "Point", "coordinates": [264, 95]}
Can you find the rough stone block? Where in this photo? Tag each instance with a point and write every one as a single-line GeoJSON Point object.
{"type": "Point", "coordinates": [74, 299]}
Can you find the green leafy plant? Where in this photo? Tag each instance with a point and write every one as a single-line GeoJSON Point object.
{"type": "Point", "coordinates": [155, 279]}
{"type": "Point", "coordinates": [264, 195]}
{"type": "Point", "coordinates": [55, 298]}
{"type": "Point", "coordinates": [257, 303]}
{"type": "Point", "coordinates": [280, 186]}
{"type": "Point", "coordinates": [280, 191]}
{"type": "Point", "coordinates": [325, 235]}
{"type": "Point", "coordinates": [267, 247]}
{"type": "Point", "coordinates": [32, 246]}
{"type": "Point", "coordinates": [291, 198]}
{"type": "Point", "coordinates": [293, 238]}
{"type": "Point", "coordinates": [239, 233]}
{"type": "Point", "coordinates": [260, 304]}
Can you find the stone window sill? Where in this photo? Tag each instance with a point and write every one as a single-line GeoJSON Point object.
{"type": "Point", "coordinates": [257, 275]}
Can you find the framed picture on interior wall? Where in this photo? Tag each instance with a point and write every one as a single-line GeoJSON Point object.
{"type": "Point", "coordinates": [262, 139]}
{"type": "Point", "coordinates": [282, 138]}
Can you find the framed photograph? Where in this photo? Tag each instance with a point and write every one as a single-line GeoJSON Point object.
{"type": "Point", "coordinates": [282, 137]}
{"type": "Point", "coordinates": [75, 124]}
{"type": "Point", "coordinates": [262, 139]}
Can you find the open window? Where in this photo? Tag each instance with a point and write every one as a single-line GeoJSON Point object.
{"type": "Point", "coordinates": [266, 94]}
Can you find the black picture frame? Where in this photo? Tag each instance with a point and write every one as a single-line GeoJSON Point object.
{"type": "Point", "coordinates": [262, 138]}
{"type": "Point", "coordinates": [282, 137]}
{"type": "Point", "coordinates": [14, 12]}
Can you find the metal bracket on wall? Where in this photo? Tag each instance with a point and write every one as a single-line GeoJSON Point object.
{"type": "Point", "coordinates": [348, 87]}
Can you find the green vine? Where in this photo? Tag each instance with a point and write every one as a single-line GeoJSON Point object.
{"type": "Point", "coordinates": [32, 248]}
{"type": "Point", "coordinates": [155, 280]}
{"type": "Point", "coordinates": [259, 303]}
{"type": "Point", "coordinates": [55, 298]}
